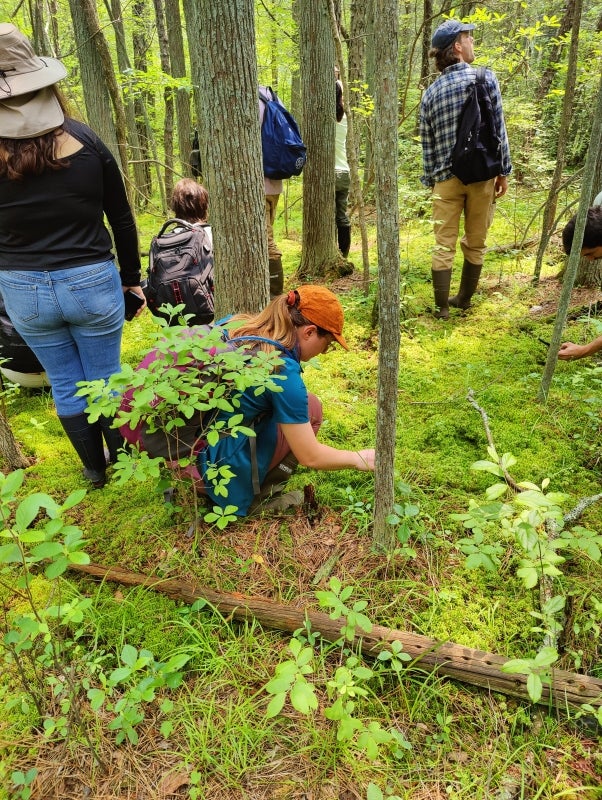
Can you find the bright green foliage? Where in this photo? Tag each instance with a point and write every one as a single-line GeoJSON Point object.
{"type": "Point", "coordinates": [55, 669]}
{"type": "Point", "coordinates": [192, 377]}
{"type": "Point", "coordinates": [290, 679]}
{"type": "Point", "coordinates": [536, 669]}
{"type": "Point", "coordinates": [335, 599]}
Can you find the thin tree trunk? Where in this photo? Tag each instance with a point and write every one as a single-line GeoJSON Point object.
{"type": "Point", "coordinates": [10, 452]}
{"type": "Point", "coordinates": [168, 98]}
{"type": "Point", "coordinates": [386, 20]}
{"type": "Point", "coordinates": [178, 70]}
{"type": "Point", "coordinates": [352, 153]}
{"type": "Point", "coordinates": [123, 61]}
{"type": "Point", "coordinates": [573, 262]}
{"type": "Point", "coordinates": [565, 121]}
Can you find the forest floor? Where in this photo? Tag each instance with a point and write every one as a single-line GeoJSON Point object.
{"type": "Point", "coordinates": [454, 740]}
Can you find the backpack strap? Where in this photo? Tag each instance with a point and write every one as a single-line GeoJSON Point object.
{"type": "Point", "coordinates": [180, 223]}
{"type": "Point", "coordinates": [481, 73]}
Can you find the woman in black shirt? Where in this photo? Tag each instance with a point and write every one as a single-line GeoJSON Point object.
{"type": "Point", "coordinates": [58, 276]}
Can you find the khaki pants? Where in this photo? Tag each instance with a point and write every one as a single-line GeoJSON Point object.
{"type": "Point", "coordinates": [271, 201]}
{"type": "Point", "coordinates": [450, 199]}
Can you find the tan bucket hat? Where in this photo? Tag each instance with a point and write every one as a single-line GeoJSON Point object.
{"type": "Point", "coordinates": [21, 71]}
{"type": "Point", "coordinates": [28, 107]}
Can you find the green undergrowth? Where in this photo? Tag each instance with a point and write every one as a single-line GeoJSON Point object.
{"type": "Point", "coordinates": [212, 732]}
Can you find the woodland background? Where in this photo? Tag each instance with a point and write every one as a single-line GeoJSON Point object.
{"type": "Point", "coordinates": [144, 75]}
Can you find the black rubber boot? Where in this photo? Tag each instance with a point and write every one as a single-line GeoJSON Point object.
{"type": "Point", "coordinates": [441, 283]}
{"type": "Point", "coordinates": [276, 277]}
{"type": "Point", "coordinates": [87, 442]}
{"type": "Point", "coordinates": [344, 240]}
{"type": "Point", "coordinates": [468, 285]}
{"type": "Point", "coordinates": [113, 438]}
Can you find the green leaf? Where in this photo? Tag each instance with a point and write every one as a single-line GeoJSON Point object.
{"type": "Point", "coordinates": [303, 697]}
{"type": "Point", "coordinates": [534, 687]}
{"type": "Point", "coordinates": [275, 705]}
{"type": "Point", "coordinates": [57, 568]}
{"type": "Point", "coordinates": [128, 655]}
{"type": "Point", "coordinates": [374, 793]}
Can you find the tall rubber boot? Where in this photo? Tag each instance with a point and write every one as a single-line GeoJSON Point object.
{"type": "Point", "coordinates": [441, 283]}
{"type": "Point", "coordinates": [87, 442]}
{"type": "Point", "coordinates": [344, 239]}
{"type": "Point", "coordinates": [468, 285]}
{"type": "Point", "coordinates": [276, 277]}
{"type": "Point", "coordinates": [113, 438]}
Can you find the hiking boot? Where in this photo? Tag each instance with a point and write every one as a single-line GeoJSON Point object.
{"type": "Point", "coordinates": [276, 277]}
{"type": "Point", "coordinates": [283, 502]}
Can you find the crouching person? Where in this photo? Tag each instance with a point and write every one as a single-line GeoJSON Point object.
{"type": "Point", "coordinates": [285, 417]}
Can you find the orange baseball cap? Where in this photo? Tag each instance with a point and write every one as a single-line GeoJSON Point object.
{"type": "Point", "coordinates": [321, 307]}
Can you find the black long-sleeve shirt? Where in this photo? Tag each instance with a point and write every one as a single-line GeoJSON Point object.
{"type": "Point", "coordinates": [55, 220]}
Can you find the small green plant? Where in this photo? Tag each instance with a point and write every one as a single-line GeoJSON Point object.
{"type": "Point", "coordinates": [350, 682]}
{"type": "Point", "coordinates": [537, 670]}
{"type": "Point", "coordinates": [22, 782]}
{"type": "Point", "coordinates": [290, 680]}
{"type": "Point", "coordinates": [335, 598]}
{"type": "Point", "coordinates": [41, 643]}
{"type": "Point", "coordinates": [192, 379]}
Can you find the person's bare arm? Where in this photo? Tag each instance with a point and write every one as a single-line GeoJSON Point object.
{"type": "Point", "coordinates": [309, 452]}
{"type": "Point", "coordinates": [569, 351]}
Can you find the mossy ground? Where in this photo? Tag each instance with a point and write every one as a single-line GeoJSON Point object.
{"type": "Point", "coordinates": [466, 743]}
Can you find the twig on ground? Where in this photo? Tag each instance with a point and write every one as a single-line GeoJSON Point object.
{"type": "Point", "coordinates": [507, 477]}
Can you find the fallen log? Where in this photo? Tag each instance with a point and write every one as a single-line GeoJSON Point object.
{"type": "Point", "coordinates": [465, 664]}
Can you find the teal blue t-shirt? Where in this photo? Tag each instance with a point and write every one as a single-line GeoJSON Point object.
{"type": "Point", "coordinates": [267, 411]}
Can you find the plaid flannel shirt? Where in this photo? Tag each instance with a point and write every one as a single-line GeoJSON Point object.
{"type": "Point", "coordinates": [439, 112]}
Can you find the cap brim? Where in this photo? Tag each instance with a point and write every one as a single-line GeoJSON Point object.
{"type": "Point", "coordinates": [340, 339]}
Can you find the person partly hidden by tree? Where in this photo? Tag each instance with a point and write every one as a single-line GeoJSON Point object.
{"type": "Point", "coordinates": [58, 276]}
{"type": "Point", "coordinates": [180, 269]}
{"type": "Point", "coordinates": [342, 176]}
{"type": "Point", "coordinates": [591, 249]}
{"type": "Point", "coordinates": [272, 190]}
{"type": "Point", "coordinates": [299, 325]}
{"type": "Point", "coordinates": [453, 51]}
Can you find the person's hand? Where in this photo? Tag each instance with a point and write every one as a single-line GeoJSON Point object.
{"type": "Point", "coordinates": [365, 462]}
{"type": "Point", "coordinates": [501, 185]}
{"type": "Point", "coordinates": [569, 351]}
{"type": "Point", "coordinates": [137, 290]}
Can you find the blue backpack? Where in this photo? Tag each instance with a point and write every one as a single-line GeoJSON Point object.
{"type": "Point", "coordinates": [284, 153]}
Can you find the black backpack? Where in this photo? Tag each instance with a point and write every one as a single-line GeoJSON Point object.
{"type": "Point", "coordinates": [181, 270]}
{"type": "Point", "coordinates": [476, 155]}
{"type": "Point", "coordinates": [284, 153]}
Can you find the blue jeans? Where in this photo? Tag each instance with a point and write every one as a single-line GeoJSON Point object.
{"type": "Point", "coordinates": [72, 319]}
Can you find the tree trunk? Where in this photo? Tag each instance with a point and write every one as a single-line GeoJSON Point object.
{"type": "Point", "coordinates": [96, 96]}
{"type": "Point", "coordinates": [320, 256]}
{"type": "Point", "coordinates": [573, 262]}
{"type": "Point", "coordinates": [10, 452]}
{"type": "Point", "coordinates": [178, 70]}
{"type": "Point", "coordinates": [567, 109]}
{"type": "Point", "coordinates": [231, 150]}
{"type": "Point", "coordinates": [123, 62]}
{"type": "Point", "coordinates": [168, 99]}
{"type": "Point", "coordinates": [387, 232]}
{"type": "Point", "coordinates": [589, 273]}
{"type": "Point", "coordinates": [143, 100]}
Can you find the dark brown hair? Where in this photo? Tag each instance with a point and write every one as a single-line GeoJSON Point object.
{"type": "Point", "coordinates": [22, 157]}
{"type": "Point", "coordinates": [190, 200]}
{"type": "Point", "coordinates": [592, 235]}
{"type": "Point", "coordinates": [447, 56]}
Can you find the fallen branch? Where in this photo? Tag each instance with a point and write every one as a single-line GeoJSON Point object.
{"type": "Point", "coordinates": [465, 664]}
